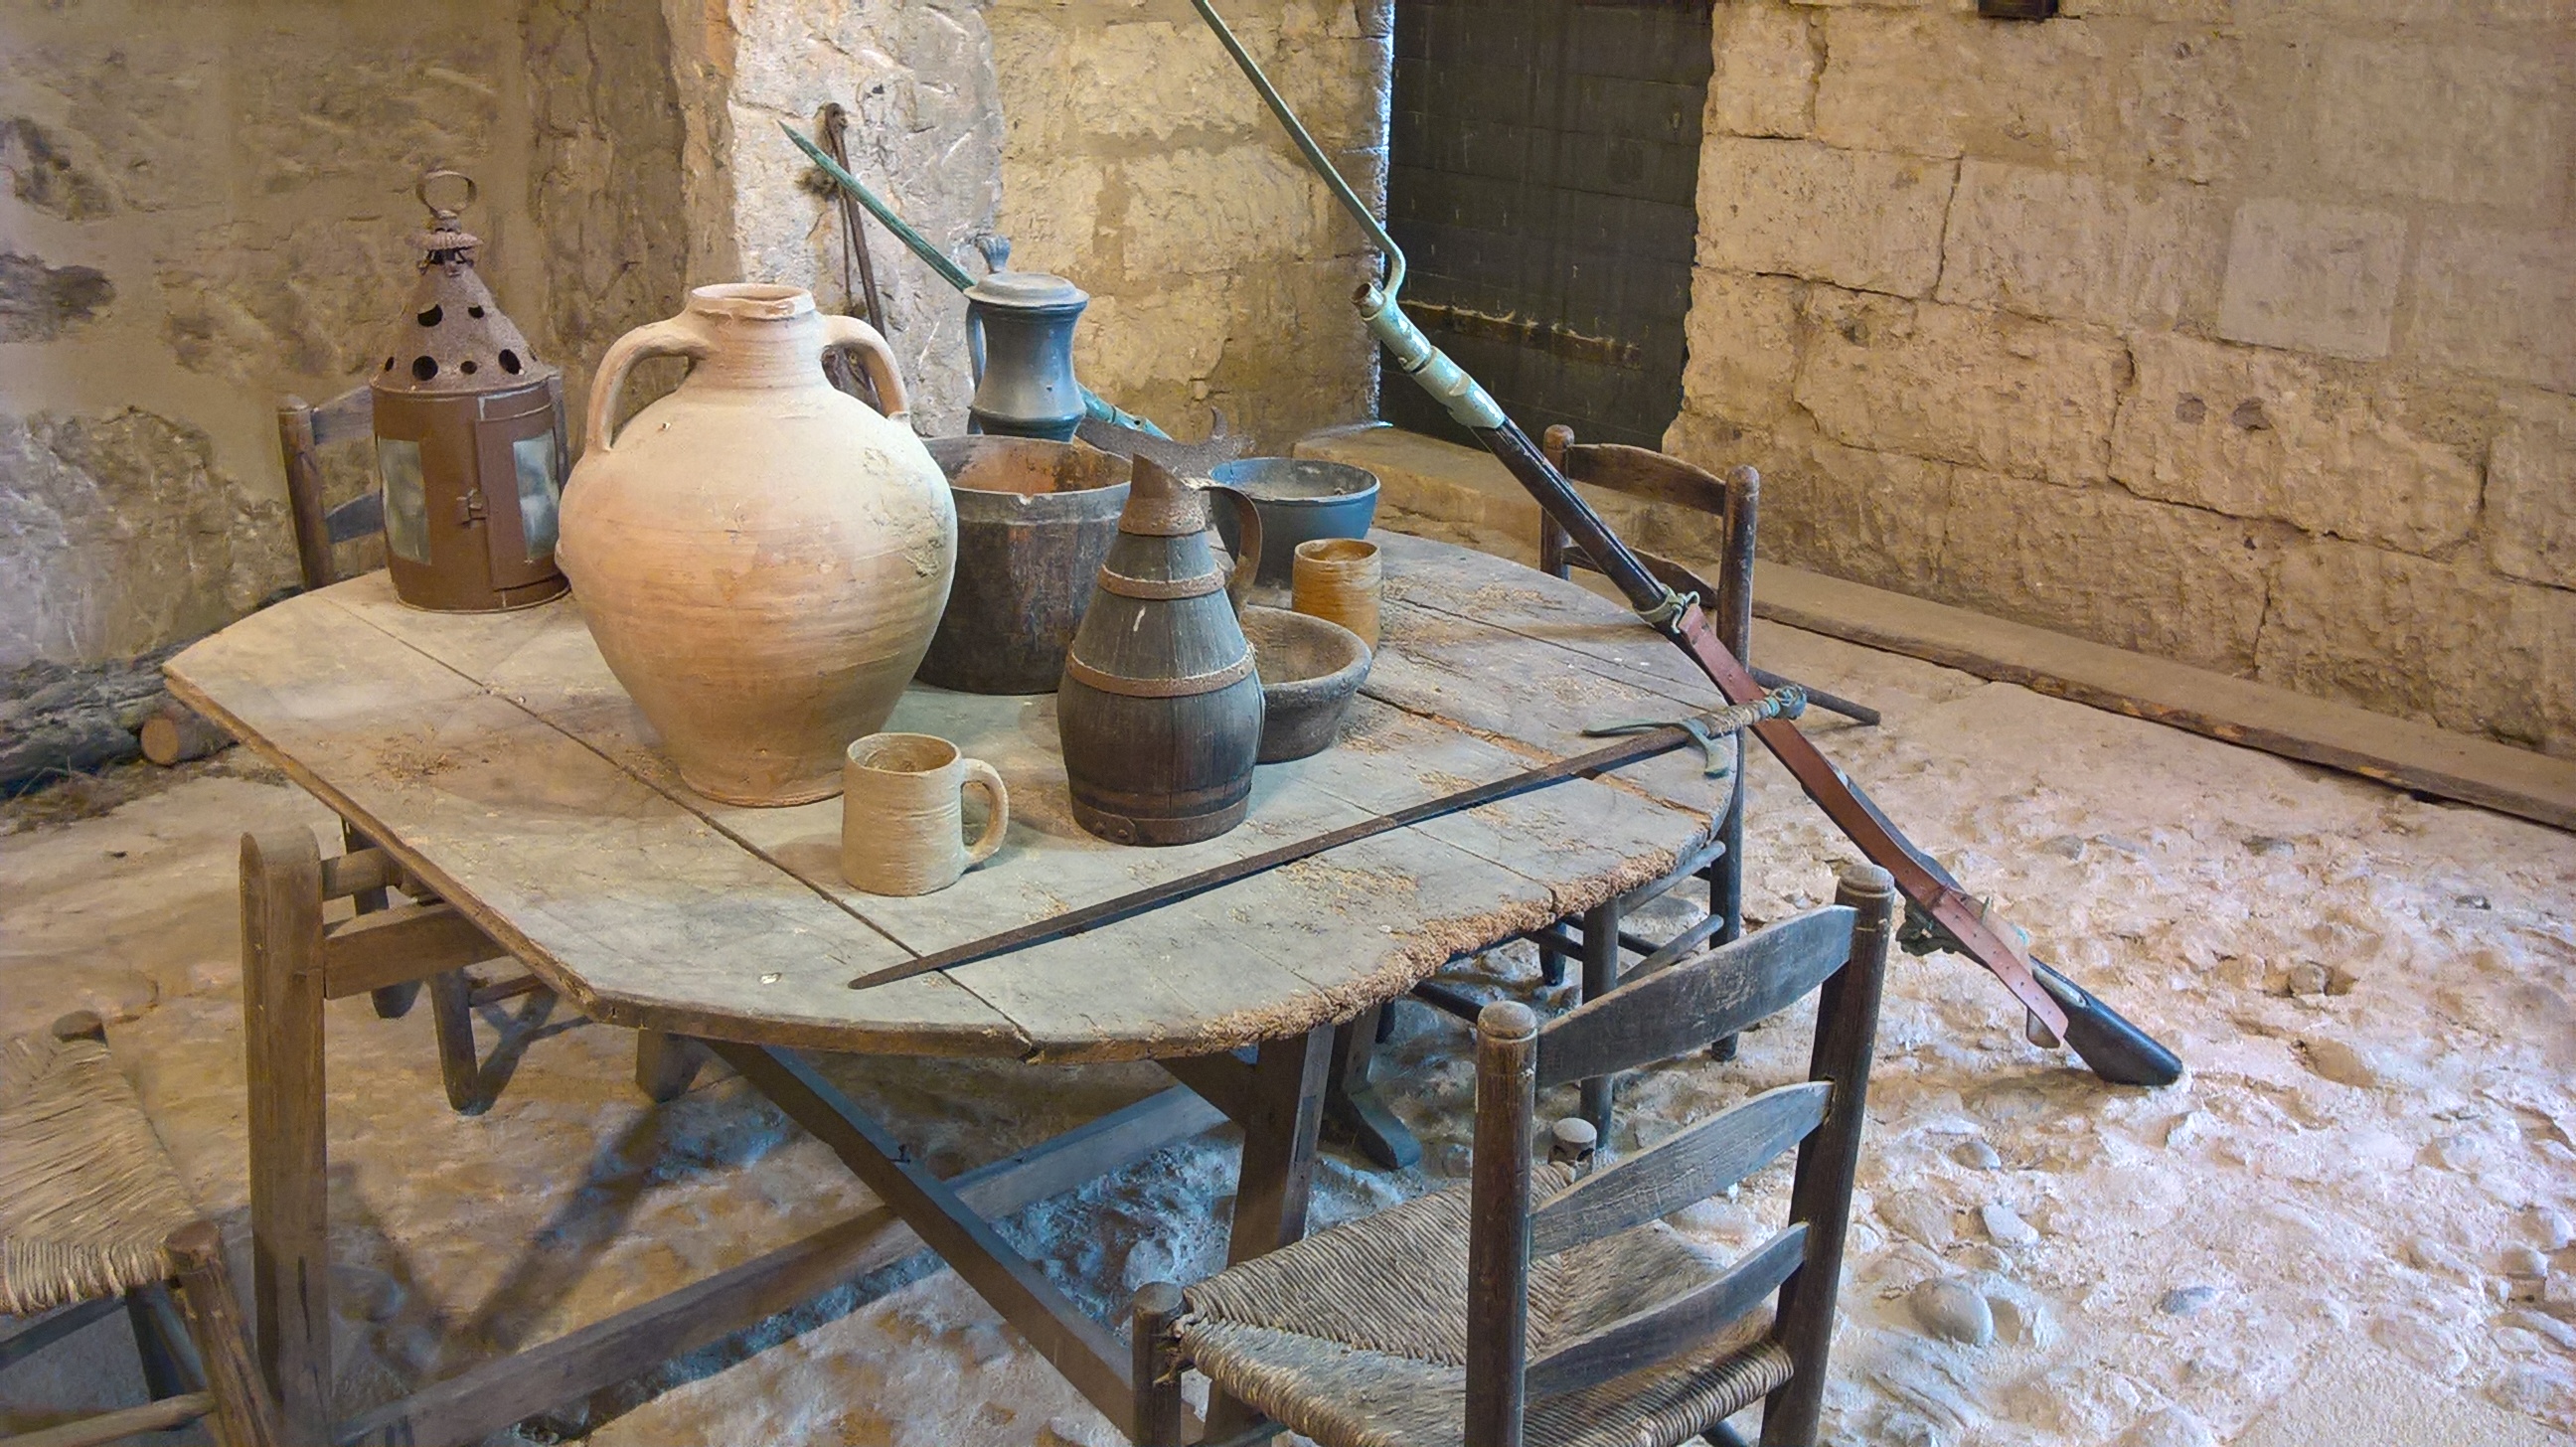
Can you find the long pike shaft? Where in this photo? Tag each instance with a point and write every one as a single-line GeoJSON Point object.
{"type": "Point", "coordinates": [2058, 1009]}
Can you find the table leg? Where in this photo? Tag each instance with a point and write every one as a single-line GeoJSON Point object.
{"type": "Point", "coordinates": [1726, 882]}
{"type": "Point", "coordinates": [282, 994]}
{"type": "Point", "coordinates": [1600, 977]}
{"type": "Point", "coordinates": [666, 1064]}
{"type": "Point", "coordinates": [1284, 1113]}
{"type": "Point", "coordinates": [1351, 1101]}
{"type": "Point", "coordinates": [460, 1068]}
{"type": "Point", "coordinates": [163, 1373]}
{"type": "Point", "coordinates": [392, 1001]}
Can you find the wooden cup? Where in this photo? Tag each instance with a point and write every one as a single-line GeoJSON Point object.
{"type": "Point", "coordinates": [1337, 579]}
{"type": "Point", "coordinates": [903, 815]}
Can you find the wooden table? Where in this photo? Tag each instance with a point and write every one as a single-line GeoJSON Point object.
{"type": "Point", "coordinates": [512, 786]}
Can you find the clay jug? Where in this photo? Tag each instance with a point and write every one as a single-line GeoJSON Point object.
{"type": "Point", "coordinates": [1159, 709]}
{"type": "Point", "coordinates": [761, 558]}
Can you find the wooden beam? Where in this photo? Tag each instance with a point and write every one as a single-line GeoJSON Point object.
{"type": "Point", "coordinates": [2393, 751]}
{"type": "Point", "coordinates": [394, 946]}
{"type": "Point", "coordinates": [490, 1397]}
{"type": "Point", "coordinates": [117, 1426]}
{"type": "Point", "coordinates": [358, 871]}
{"type": "Point", "coordinates": [1223, 1080]}
{"type": "Point", "coordinates": [1092, 1359]}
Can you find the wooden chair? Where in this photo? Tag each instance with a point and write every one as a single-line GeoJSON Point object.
{"type": "Point", "coordinates": [91, 1211]}
{"type": "Point", "coordinates": [1597, 937]}
{"type": "Point", "coordinates": [1471, 1316]}
{"type": "Point", "coordinates": [303, 430]}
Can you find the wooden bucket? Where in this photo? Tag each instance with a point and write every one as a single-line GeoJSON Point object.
{"type": "Point", "coordinates": [1034, 524]}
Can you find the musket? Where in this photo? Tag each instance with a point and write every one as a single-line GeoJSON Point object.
{"type": "Point", "coordinates": [2058, 1010]}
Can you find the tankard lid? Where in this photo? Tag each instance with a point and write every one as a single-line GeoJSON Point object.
{"type": "Point", "coordinates": [1027, 291]}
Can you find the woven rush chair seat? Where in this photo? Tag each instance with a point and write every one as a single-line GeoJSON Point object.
{"type": "Point", "coordinates": [88, 1198]}
{"type": "Point", "coordinates": [1549, 1306]}
{"type": "Point", "coordinates": [1357, 1336]}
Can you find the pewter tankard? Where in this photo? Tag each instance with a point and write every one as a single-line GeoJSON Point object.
{"type": "Point", "coordinates": [1019, 330]}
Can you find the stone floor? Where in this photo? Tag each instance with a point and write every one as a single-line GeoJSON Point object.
{"type": "Point", "coordinates": [2311, 1240]}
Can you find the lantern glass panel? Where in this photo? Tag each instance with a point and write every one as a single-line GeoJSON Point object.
{"type": "Point", "coordinates": [540, 492]}
{"type": "Point", "coordinates": [406, 503]}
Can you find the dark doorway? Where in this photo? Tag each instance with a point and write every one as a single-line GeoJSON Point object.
{"type": "Point", "coordinates": [1544, 160]}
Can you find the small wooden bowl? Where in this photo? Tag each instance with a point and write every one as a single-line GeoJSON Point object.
{"type": "Point", "coordinates": [1310, 669]}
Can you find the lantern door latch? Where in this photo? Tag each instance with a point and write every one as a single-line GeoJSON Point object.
{"type": "Point", "coordinates": [469, 508]}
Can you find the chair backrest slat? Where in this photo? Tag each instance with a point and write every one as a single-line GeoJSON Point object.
{"type": "Point", "coordinates": [303, 430]}
{"type": "Point", "coordinates": [1658, 1332]}
{"type": "Point", "coordinates": [345, 418]}
{"type": "Point", "coordinates": [1645, 475]}
{"type": "Point", "coordinates": [362, 516]}
{"type": "Point", "coordinates": [1678, 1009]}
{"type": "Point", "coordinates": [1692, 1165]}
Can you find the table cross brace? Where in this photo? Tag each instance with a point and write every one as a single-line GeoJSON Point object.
{"type": "Point", "coordinates": [1079, 1347]}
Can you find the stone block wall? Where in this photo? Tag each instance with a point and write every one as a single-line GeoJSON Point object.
{"type": "Point", "coordinates": [1139, 163]}
{"type": "Point", "coordinates": [925, 134]}
{"type": "Point", "coordinates": [207, 208]}
{"type": "Point", "coordinates": [190, 228]}
{"type": "Point", "coordinates": [2243, 334]}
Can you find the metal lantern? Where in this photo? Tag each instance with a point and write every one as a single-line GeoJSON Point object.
{"type": "Point", "coordinates": [469, 437]}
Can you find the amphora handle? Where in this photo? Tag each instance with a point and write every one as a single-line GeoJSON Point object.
{"type": "Point", "coordinates": [842, 333]}
{"type": "Point", "coordinates": [678, 337]}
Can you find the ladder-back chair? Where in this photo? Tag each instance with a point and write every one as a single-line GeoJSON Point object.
{"type": "Point", "coordinates": [92, 1213]}
{"type": "Point", "coordinates": [1598, 937]}
{"type": "Point", "coordinates": [303, 430]}
{"type": "Point", "coordinates": [1536, 1308]}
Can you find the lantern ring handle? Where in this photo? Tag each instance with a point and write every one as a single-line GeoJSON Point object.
{"type": "Point", "coordinates": [472, 191]}
{"type": "Point", "coordinates": [675, 337]}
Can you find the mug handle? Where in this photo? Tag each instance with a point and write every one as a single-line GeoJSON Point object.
{"type": "Point", "coordinates": [1247, 531]}
{"type": "Point", "coordinates": [678, 337]}
{"type": "Point", "coordinates": [980, 775]}
{"type": "Point", "coordinates": [874, 355]}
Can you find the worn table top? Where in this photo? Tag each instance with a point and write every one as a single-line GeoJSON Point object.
{"type": "Point", "coordinates": [497, 757]}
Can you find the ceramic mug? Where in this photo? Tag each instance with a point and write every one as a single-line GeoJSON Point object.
{"type": "Point", "coordinates": [903, 813]}
{"type": "Point", "coordinates": [1337, 579]}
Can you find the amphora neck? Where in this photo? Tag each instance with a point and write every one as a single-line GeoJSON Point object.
{"type": "Point", "coordinates": [759, 335]}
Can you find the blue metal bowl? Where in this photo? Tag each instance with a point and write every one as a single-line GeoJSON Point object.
{"type": "Point", "coordinates": [1299, 498]}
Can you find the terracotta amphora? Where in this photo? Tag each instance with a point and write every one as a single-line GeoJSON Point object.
{"type": "Point", "coordinates": [761, 558]}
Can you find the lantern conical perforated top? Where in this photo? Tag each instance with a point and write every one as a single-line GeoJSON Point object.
{"type": "Point", "coordinates": [452, 337]}
{"type": "Point", "coordinates": [469, 437]}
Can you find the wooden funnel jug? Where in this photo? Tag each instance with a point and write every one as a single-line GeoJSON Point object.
{"type": "Point", "coordinates": [1159, 709]}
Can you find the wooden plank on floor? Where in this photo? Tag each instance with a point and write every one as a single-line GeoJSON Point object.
{"type": "Point", "coordinates": [2393, 751]}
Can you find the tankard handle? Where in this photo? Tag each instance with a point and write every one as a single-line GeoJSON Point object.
{"type": "Point", "coordinates": [677, 337]}
{"type": "Point", "coordinates": [1247, 531]}
{"type": "Point", "coordinates": [850, 333]}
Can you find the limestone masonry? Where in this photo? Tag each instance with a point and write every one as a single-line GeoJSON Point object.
{"type": "Point", "coordinates": [2240, 334]}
